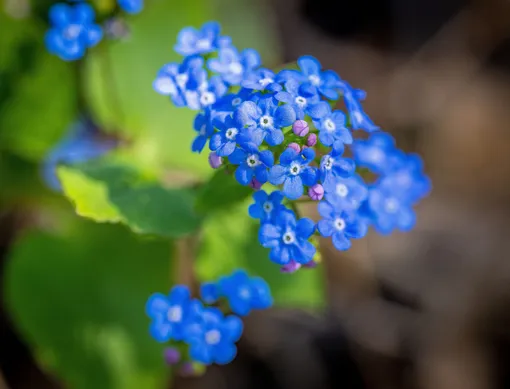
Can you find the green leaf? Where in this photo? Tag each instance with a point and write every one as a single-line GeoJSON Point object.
{"type": "Point", "coordinates": [220, 192]}
{"type": "Point", "coordinates": [230, 241]}
{"type": "Point", "coordinates": [37, 90]}
{"type": "Point", "coordinates": [107, 192]}
{"type": "Point", "coordinates": [78, 299]}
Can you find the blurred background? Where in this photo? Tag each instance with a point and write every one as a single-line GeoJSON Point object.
{"type": "Point", "coordinates": [426, 309]}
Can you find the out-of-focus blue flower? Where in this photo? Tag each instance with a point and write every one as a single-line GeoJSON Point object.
{"type": "Point", "coordinates": [212, 338]}
{"type": "Point", "coordinates": [333, 165]}
{"type": "Point", "coordinates": [131, 6]}
{"type": "Point", "coordinates": [170, 313]}
{"type": "Point", "coordinates": [232, 66]}
{"type": "Point", "coordinates": [201, 91]}
{"type": "Point", "coordinates": [294, 96]}
{"type": "Point", "coordinates": [245, 293]}
{"type": "Point", "coordinates": [83, 143]}
{"type": "Point", "coordinates": [331, 125]}
{"type": "Point", "coordinates": [288, 238]}
{"type": "Point", "coordinates": [340, 225]}
{"type": "Point", "coordinates": [312, 77]}
{"type": "Point", "coordinates": [261, 79]}
{"type": "Point", "coordinates": [359, 120]}
{"type": "Point", "coordinates": [389, 211]}
{"type": "Point", "coordinates": [266, 207]}
{"type": "Point", "coordinates": [209, 292]}
{"type": "Point", "coordinates": [203, 126]}
{"type": "Point", "coordinates": [231, 101]}
{"type": "Point", "coordinates": [346, 193]}
{"type": "Point", "coordinates": [252, 163]}
{"type": "Point", "coordinates": [293, 172]}
{"type": "Point", "coordinates": [266, 120]}
{"type": "Point", "coordinates": [378, 153]}
{"type": "Point", "coordinates": [191, 41]}
{"type": "Point", "coordinates": [73, 30]}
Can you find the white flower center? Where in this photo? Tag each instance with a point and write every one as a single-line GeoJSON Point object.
{"type": "Point", "coordinates": [231, 133]}
{"type": "Point", "coordinates": [342, 190]}
{"type": "Point", "coordinates": [268, 207]}
{"type": "Point", "coordinates": [253, 160]}
{"type": "Point", "coordinates": [236, 68]}
{"type": "Point", "coordinates": [266, 121]}
{"type": "Point", "coordinates": [295, 168]}
{"type": "Point", "coordinates": [314, 79]}
{"type": "Point", "coordinates": [236, 101]}
{"type": "Point", "coordinates": [266, 81]}
{"type": "Point", "coordinates": [244, 293]}
{"type": "Point", "coordinates": [339, 224]}
{"type": "Point", "coordinates": [300, 101]}
{"type": "Point", "coordinates": [289, 237]}
{"type": "Point", "coordinates": [202, 130]}
{"type": "Point", "coordinates": [203, 44]}
{"type": "Point", "coordinates": [328, 162]}
{"type": "Point", "coordinates": [181, 79]}
{"type": "Point", "coordinates": [174, 314]}
{"type": "Point", "coordinates": [329, 125]}
{"type": "Point", "coordinates": [72, 31]}
{"type": "Point", "coordinates": [391, 205]}
{"type": "Point", "coordinates": [207, 98]}
{"type": "Point", "coordinates": [212, 337]}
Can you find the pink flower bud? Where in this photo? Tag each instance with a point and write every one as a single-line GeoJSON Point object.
{"type": "Point", "coordinates": [294, 146]}
{"type": "Point", "coordinates": [172, 356]}
{"type": "Point", "coordinates": [291, 267]}
{"type": "Point", "coordinates": [300, 128]}
{"type": "Point", "coordinates": [312, 140]}
{"type": "Point", "coordinates": [316, 192]}
{"type": "Point", "coordinates": [214, 160]}
{"type": "Point", "coordinates": [310, 264]}
{"type": "Point", "coordinates": [255, 184]}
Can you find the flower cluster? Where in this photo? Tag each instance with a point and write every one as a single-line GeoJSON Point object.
{"type": "Point", "coordinates": [208, 334]}
{"type": "Point", "coordinates": [283, 129]}
{"type": "Point", "coordinates": [74, 28]}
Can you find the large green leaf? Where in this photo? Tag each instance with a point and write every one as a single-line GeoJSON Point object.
{"type": "Point", "coordinates": [109, 192]}
{"type": "Point", "coordinates": [220, 192]}
{"type": "Point", "coordinates": [230, 241]}
{"type": "Point", "coordinates": [37, 90]}
{"type": "Point", "coordinates": [120, 76]}
{"type": "Point", "coordinates": [78, 298]}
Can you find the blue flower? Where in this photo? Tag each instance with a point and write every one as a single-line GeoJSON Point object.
{"type": "Point", "coordinates": [359, 120]}
{"type": "Point", "coordinates": [288, 239]}
{"type": "Point", "coordinates": [388, 211]}
{"type": "Point", "coordinates": [231, 101]}
{"type": "Point", "coordinates": [202, 125]}
{"type": "Point", "coordinates": [311, 77]}
{"type": "Point", "coordinates": [200, 91]}
{"type": "Point", "coordinates": [131, 6]}
{"type": "Point", "coordinates": [331, 125]}
{"type": "Point", "coordinates": [244, 293]}
{"type": "Point", "coordinates": [297, 99]}
{"type": "Point", "coordinates": [209, 292]}
{"type": "Point", "coordinates": [233, 66]}
{"type": "Point", "coordinates": [212, 338]}
{"type": "Point", "coordinates": [261, 79]}
{"type": "Point", "coordinates": [333, 166]}
{"type": "Point", "coordinates": [191, 41]}
{"type": "Point", "coordinates": [340, 224]}
{"type": "Point", "coordinates": [378, 153]}
{"type": "Point", "coordinates": [293, 171]}
{"type": "Point", "coordinates": [252, 163]}
{"type": "Point", "coordinates": [73, 30]}
{"type": "Point", "coordinates": [266, 207]}
{"type": "Point", "coordinates": [230, 133]}
{"type": "Point", "coordinates": [82, 143]}
{"type": "Point", "coordinates": [407, 180]}
{"type": "Point", "coordinates": [170, 313]}
{"type": "Point", "coordinates": [346, 193]}
{"type": "Point", "coordinates": [266, 119]}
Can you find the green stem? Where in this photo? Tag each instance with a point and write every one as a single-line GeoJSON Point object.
{"type": "Point", "coordinates": [111, 85]}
